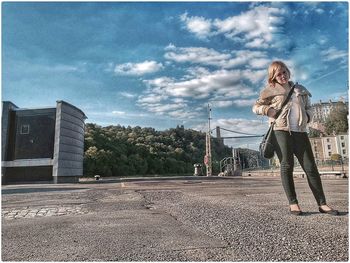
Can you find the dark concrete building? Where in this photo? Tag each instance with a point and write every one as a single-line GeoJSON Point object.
{"type": "Point", "coordinates": [42, 144]}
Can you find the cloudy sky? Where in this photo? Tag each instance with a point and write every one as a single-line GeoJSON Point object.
{"type": "Point", "coordinates": [158, 64]}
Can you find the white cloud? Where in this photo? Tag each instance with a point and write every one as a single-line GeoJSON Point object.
{"type": "Point", "coordinates": [259, 63]}
{"type": "Point", "coordinates": [256, 27]}
{"type": "Point", "coordinates": [334, 54]}
{"type": "Point", "coordinates": [183, 114]}
{"type": "Point", "coordinates": [221, 103]}
{"type": "Point", "coordinates": [179, 100]}
{"type": "Point", "coordinates": [224, 88]}
{"type": "Point", "coordinates": [118, 112]}
{"type": "Point", "coordinates": [165, 107]}
{"type": "Point", "coordinates": [221, 82]}
{"type": "Point", "coordinates": [127, 94]}
{"type": "Point", "coordinates": [306, 8]}
{"type": "Point", "coordinates": [254, 76]}
{"type": "Point", "coordinates": [234, 102]}
{"type": "Point", "coordinates": [196, 72]}
{"type": "Point", "coordinates": [159, 82]}
{"type": "Point", "coordinates": [199, 26]}
{"type": "Point", "coordinates": [151, 98]}
{"type": "Point", "coordinates": [211, 57]}
{"type": "Point", "coordinates": [175, 108]}
{"type": "Point", "coordinates": [257, 43]}
{"type": "Point", "coordinates": [244, 102]}
{"type": "Point", "coordinates": [138, 69]}
{"type": "Point", "coordinates": [197, 55]}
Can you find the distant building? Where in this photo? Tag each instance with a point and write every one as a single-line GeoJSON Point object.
{"type": "Point", "coordinates": [317, 148]}
{"type": "Point", "coordinates": [42, 144]}
{"type": "Point", "coordinates": [343, 145]}
{"type": "Point", "coordinates": [321, 111]}
{"type": "Point", "coordinates": [323, 147]}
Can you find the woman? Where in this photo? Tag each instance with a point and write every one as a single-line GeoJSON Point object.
{"type": "Point", "coordinates": [290, 133]}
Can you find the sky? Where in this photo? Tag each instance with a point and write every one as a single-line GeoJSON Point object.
{"type": "Point", "coordinates": [159, 64]}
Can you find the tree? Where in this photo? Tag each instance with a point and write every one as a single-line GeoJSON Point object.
{"type": "Point", "coordinates": [337, 120]}
{"type": "Point", "coordinates": [314, 133]}
{"type": "Point", "coordinates": [123, 151]}
{"type": "Point", "coordinates": [336, 157]}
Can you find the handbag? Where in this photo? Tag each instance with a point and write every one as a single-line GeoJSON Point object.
{"type": "Point", "coordinates": [266, 147]}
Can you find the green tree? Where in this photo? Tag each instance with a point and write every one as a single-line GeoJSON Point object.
{"type": "Point", "coordinates": [336, 157]}
{"type": "Point", "coordinates": [314, 133]}
{"type": "Point", "coordinates": [123, 151]}
{"type": "Point", "coordinates": [337, 120]}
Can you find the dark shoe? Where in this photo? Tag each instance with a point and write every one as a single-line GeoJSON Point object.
{"type": "Point", "coordinates": [296, 212]}
{"type": "Point", "coordinates": [330, 212]}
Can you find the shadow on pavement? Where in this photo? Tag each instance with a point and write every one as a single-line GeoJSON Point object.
{"type": "Point", "coordinates": [316, 213]}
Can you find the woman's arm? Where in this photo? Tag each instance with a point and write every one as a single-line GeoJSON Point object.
{"type": "Point", "coordinates": [262, 107]}
{"type": "Point", "coordinates": [308, 109]}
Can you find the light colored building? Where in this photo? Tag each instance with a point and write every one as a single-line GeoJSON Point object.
{"type": "Point", "coordinates": [343, 145]}
{"type": "Point", "coordinates": [323, 147]}
{"type": "Point", "coordinates": [329, 145]}
{"type": "Point", "coordinates": [321, 110]}
{"type": "Point", "coordinates": [317, 148]}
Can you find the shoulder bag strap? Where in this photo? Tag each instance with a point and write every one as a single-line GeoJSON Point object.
{"type": "Point", "coordinates": [285, 101]}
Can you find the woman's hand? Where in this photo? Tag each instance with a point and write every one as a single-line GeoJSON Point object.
{"type": "Point", "coordinates": [271, 112]}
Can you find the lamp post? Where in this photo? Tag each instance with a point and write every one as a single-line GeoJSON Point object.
{"type": "Point", "coordinates": [207, 158]}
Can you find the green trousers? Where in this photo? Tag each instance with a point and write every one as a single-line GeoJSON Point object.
{"type": "Point", "coordinates": [297, 143]}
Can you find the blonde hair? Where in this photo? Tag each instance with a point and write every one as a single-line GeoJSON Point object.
{"type": "Point", "coordinates": [273, 69]}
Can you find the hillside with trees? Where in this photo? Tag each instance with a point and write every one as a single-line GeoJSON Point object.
{"type": "Point", "coordinates": [127, 151]}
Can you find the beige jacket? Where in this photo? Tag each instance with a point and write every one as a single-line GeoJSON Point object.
{"type": "Point", "coordinates": [273, 96]}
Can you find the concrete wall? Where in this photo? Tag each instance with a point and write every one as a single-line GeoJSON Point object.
{"type": "Point", "coordinates": [69, 143]}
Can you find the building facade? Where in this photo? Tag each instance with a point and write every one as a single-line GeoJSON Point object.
{"type": "Point", "coordinates": [323, 147]}
{"type": "Point", "coordinates": [42, 144]}
{"type": "Point", "coordinates": [343, 145]}
{"type": "Point", "coordinates": [321, 111]}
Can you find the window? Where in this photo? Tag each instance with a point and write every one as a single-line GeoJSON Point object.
{"type": "Point", "coordinates": [329, 154]}
{"type": "Point", "coordinates": [327, 140]}
{"type": "Point", "coordinates": [341, 137]}
{"type": "Point", "coordinates": [24, 129]}
{"type": "Point", "coordinates": [344, 151]}
{"type": "Point", "coordinates": [328, 147]}
{"type": "Point", "coordinates": [343, 144]}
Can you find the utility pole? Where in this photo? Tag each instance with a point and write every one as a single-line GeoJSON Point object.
{"type": "Point", "coordinates": [207, 158]}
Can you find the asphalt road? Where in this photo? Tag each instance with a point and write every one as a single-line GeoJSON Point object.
{"type": "Point", "coordinates": [188, 219]}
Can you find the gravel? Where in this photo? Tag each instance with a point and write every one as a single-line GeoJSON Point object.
{"type": "Point", "coordinates": [233, 219]}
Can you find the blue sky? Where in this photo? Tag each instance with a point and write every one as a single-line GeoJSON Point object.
{"type": "Point", "coordinates": [158, 64]}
